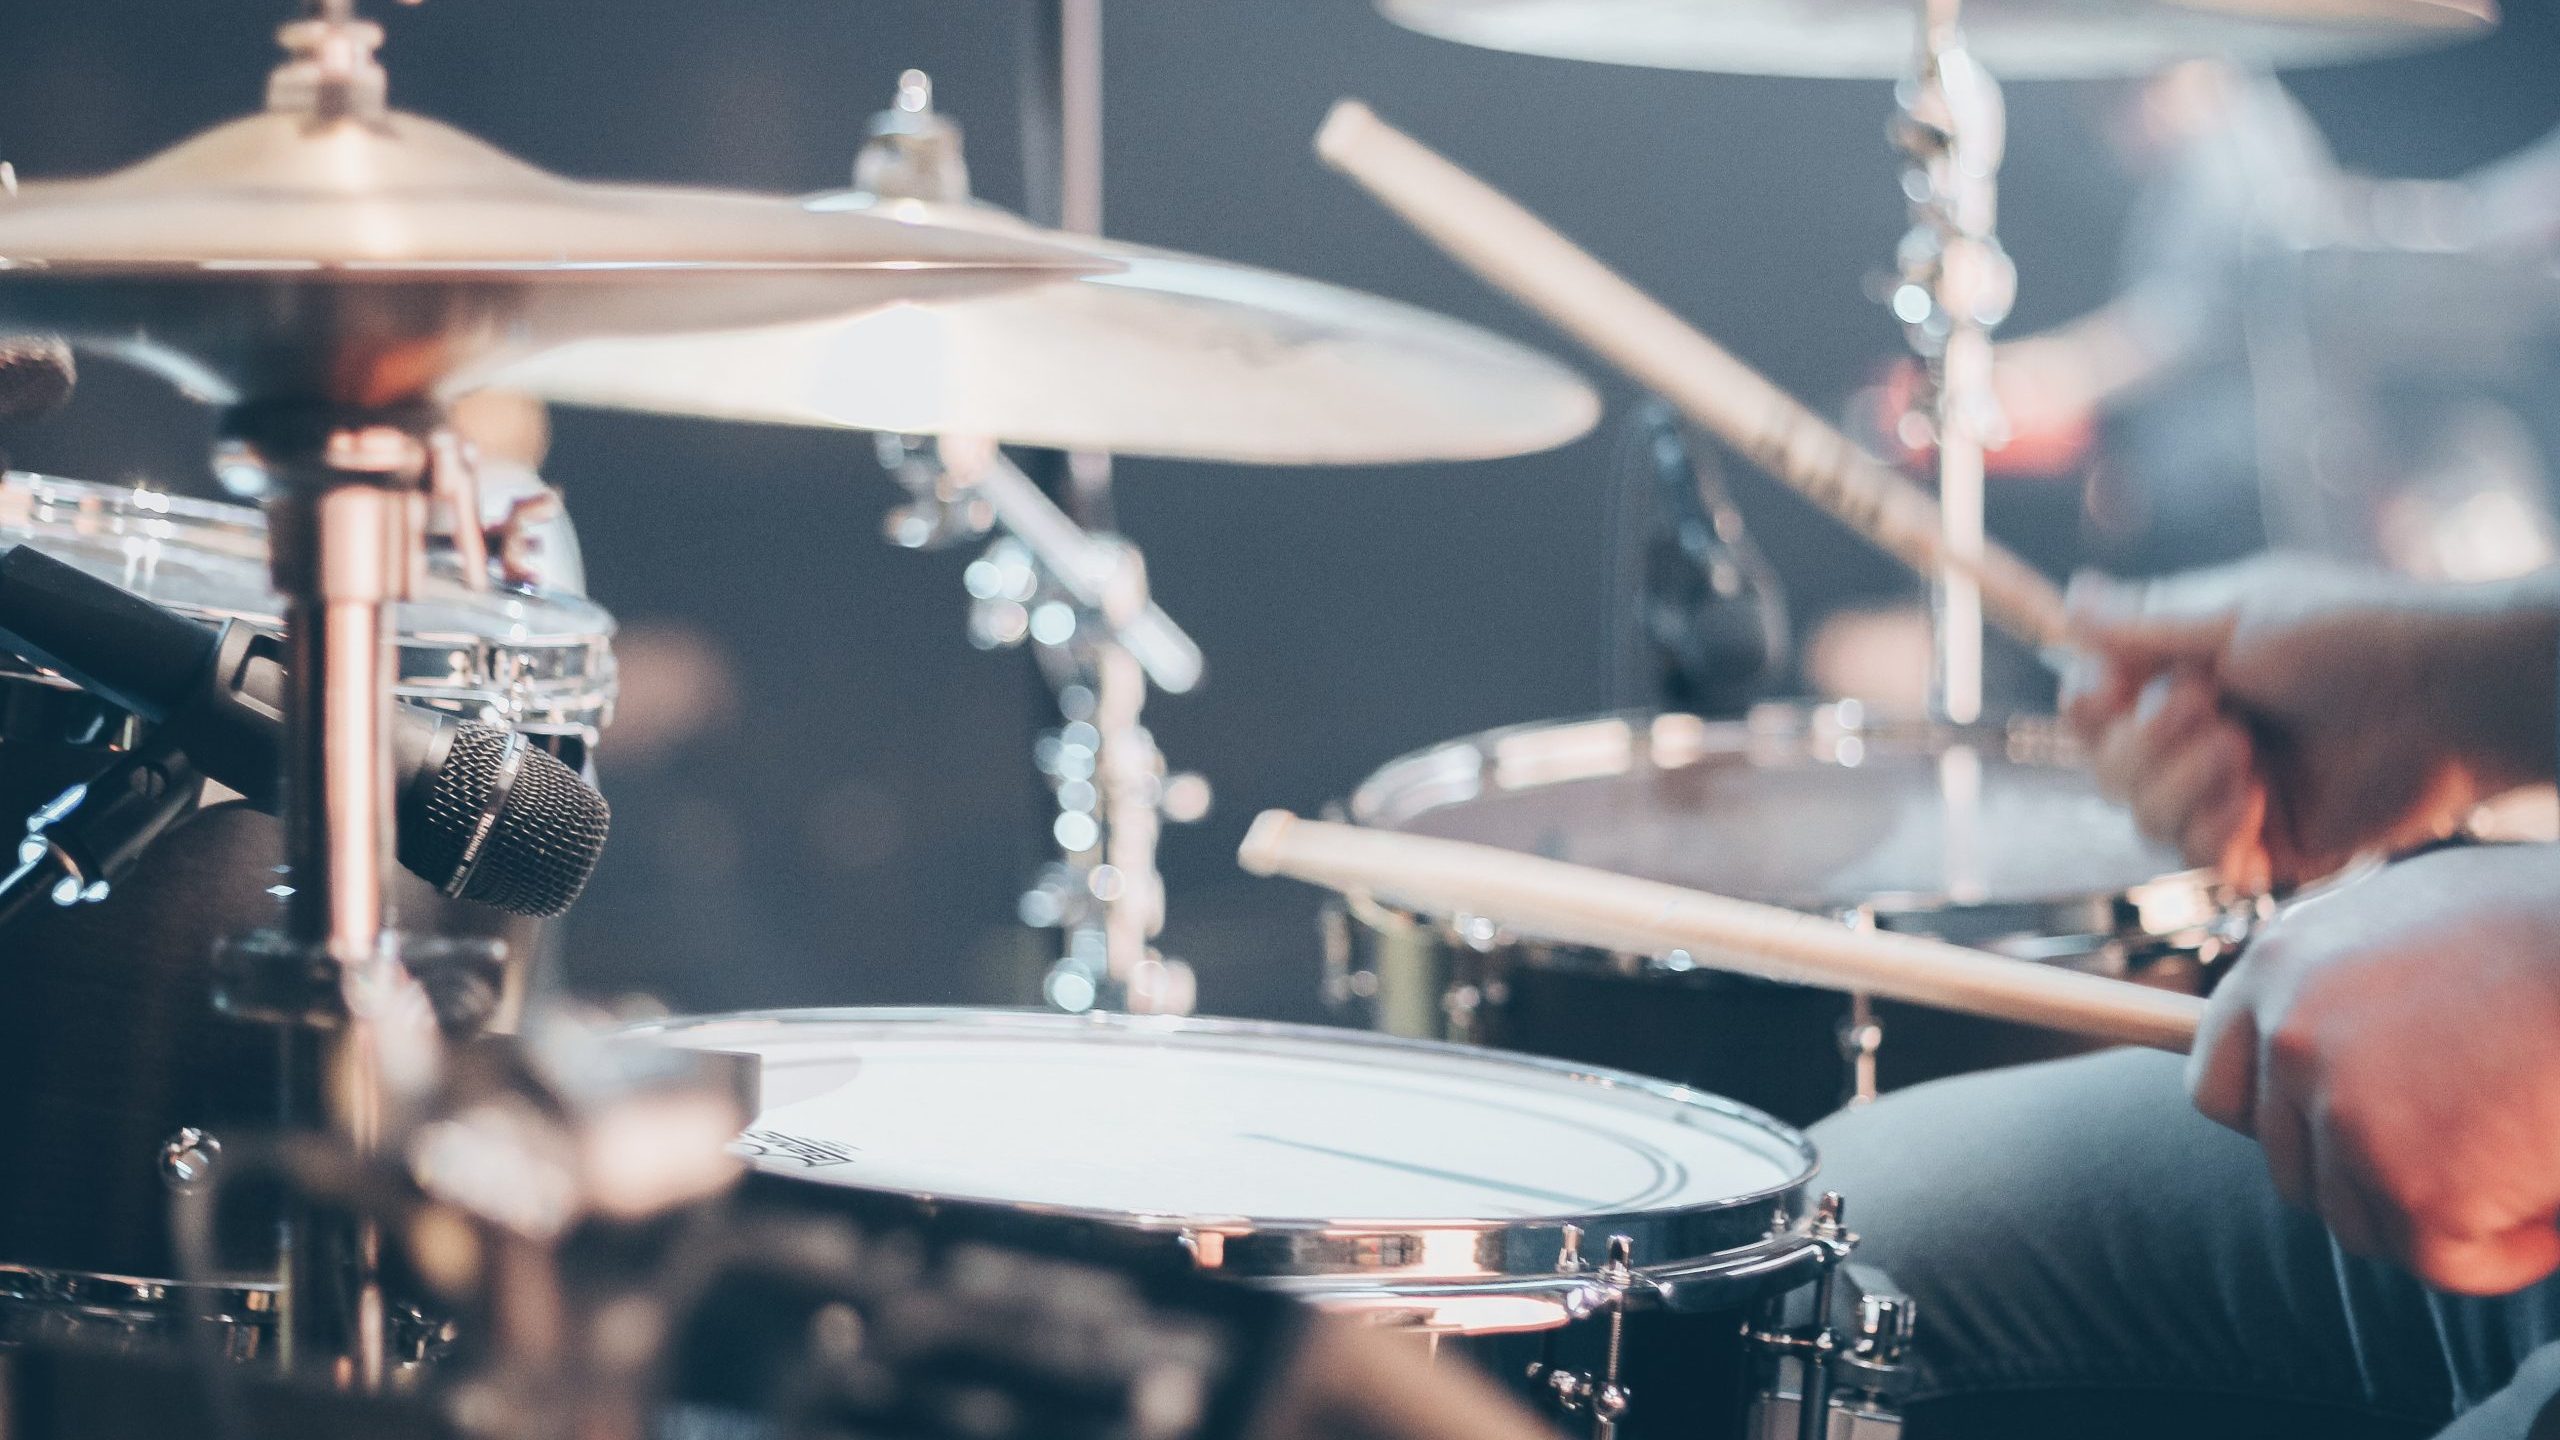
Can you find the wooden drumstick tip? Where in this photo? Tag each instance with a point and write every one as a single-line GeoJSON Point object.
{"type": "Point", "coordinates": [1345, 126]}
{"type": "Point", "coordinates": [1260, 852]}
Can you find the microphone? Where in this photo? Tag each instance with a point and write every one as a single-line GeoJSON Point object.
{"type": "Point", "coordinates": [1710, 607]}
{"type": "Point", "coordinates": [477, 811]}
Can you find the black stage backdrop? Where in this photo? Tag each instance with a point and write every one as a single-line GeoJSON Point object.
{"type": "Point", "coordinates": [822, 792]}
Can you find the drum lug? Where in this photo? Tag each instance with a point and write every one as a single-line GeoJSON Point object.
{"type": "Point", "coordinates": [1599, 1395]}
{"type": "Point", "coordinates": [1847, 1376]}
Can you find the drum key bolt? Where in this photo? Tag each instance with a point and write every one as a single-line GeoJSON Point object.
{"type": "Point", "coordinates": [1578, 1392]}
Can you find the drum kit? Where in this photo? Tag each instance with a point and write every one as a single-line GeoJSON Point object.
{"type": "Point", "coordinates": [294, 1142]}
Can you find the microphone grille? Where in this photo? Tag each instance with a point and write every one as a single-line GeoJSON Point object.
{"type": "Point", "coordinates": [547, 832]}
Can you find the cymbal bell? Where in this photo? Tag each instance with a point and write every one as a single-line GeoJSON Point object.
{"type": "Point", "coordinates": [356, 255]}
{"type": "Point", "coordinates": [1166, 355]}
{"type": "Point", "coordinates": [2013, 39]}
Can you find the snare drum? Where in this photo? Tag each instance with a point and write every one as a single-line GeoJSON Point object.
{"type": "Point", "coordinates": [1991, 835]}
{"type": "Point", "coordinates": [1541, 1217]}
{"type": "Point", "coordinates": [120, 1079]}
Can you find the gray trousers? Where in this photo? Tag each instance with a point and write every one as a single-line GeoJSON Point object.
{"type": "Point", "coordinates": [2076, 1234]}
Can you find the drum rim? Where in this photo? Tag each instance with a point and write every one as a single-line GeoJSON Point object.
{"type": "Point", "coordinates": [1379, 800]}
{"type": "Point", "coordinates": [236, 1301]}
{"type": "Point", "coordinates": [584, 623]}
{"type": "Point", "coordinates": [554, 674]}
{"type": "Point", "coordinates": [1525, 1235]}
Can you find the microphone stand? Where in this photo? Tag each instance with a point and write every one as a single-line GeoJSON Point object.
{"type": "Point", "coordinates": [80, 843]}
{"type": "Point", "coordinates": [1081, 601]}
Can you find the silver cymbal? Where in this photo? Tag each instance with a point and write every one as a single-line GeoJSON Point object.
{"type": "Point", "coordinates": [1173, 355]}
{"type": "Point", "coordinates": [2013, 39]}
{"type": "Point", "coordinates": [357, 255]}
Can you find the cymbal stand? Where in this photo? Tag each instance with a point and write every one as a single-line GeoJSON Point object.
{"type": "Point", "coordinates": [1062, 173]}
{"type": "Point", "coordinates": [1077, 596]}
{"type": "Point", "coordinates": [1956, 287]}
{"type": "Point", "coordinates": [345, 495]}
{"type": "Point", "coordinates": [1080, 600]}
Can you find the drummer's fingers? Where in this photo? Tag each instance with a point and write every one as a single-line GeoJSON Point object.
{"type": "Point", "coordinates": [2193, 795]}
{"type": "Point", "coordinates": [2497, 1265]}
{"type": "Point", "coordinates": [2131, 752]}
{"type": "Point", "coordinates": [2285, 1136]}
{"type": "Point", "coordinates": [2249, 860]}
{"type": "Point", "coordinates": [2222, 1070]}
{"type": "Point", "coordinates": [2361, 1220]}
{"type": "Point", "coordinates": [2096, 691]}
{"type": "Point", "coordinates": [2185, 621]}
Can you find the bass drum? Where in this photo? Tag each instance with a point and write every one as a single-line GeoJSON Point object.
{"type": "Point", "coordinates": [120, 1079]}
{"type": "Point", "coordinates": [1610, 1244]}
{"type": "Point", "coordinates": [1991, 836]}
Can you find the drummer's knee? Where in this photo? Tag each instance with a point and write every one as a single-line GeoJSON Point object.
{"type": "Point", "coordinates": [1941, 1164]}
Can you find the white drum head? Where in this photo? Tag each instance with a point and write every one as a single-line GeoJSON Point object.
{"type": "Point", "coordinates": [1797, 807]}
{"type": "Point", "coordinates": [1211, 1122]}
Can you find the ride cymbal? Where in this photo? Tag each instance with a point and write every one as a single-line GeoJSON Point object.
{"type": "Point", "coordinates": [2013, 39]}
{"type": "Point", "coordinates": [1171, 355]}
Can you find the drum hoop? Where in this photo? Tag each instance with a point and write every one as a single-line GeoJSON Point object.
{"type": "Point", "coordinates": [1357, 1248]}
{"type": "Point", "coordinates": [96, 1293]}
{"type": "Point", "coordinates": [549, 677]}
{"type": "Point", "coordinates": [1400, 790]}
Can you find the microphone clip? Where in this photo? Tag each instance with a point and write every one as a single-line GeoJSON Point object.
{"type": "Point", "coordinates": [80, 843]}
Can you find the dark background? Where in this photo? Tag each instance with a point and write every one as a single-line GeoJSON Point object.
{"type": "Point", "coordinates": [854, 825]}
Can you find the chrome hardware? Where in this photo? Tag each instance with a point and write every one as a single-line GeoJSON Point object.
{"type": "Point", "coordinates": [1600, 1395]}
{"type": "Point", "coordinates": [1871, 1367]}
{"type": "Point", "coordinates": [915, 151]}
{"type": "Point", "coordinates": [187, 1157]}
{"type": "Point", "coordinates": [1079, 600]}
{"type": "Point", "coordinates": [1844, 1382]}
{"type": "Point", "coordinates": [1956, 286]}
{"type": "Point", "coordinates": [121, 1312]}
{"type": "Point", "coordinates": [1862, 1029]}
{"type": "Point", "coordinates": [940, 512]}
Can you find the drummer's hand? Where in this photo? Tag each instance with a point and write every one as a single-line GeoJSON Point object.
{"type": "Point", "coordinates": [2394, 1045]}
{"type": "Point", "coordinates": [2280, 715]}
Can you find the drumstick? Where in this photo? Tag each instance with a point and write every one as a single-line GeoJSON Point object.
{"type": "Point", "coordinates": [1578, 905]}
{"type": "Point", "coordinates": [1516, 252]}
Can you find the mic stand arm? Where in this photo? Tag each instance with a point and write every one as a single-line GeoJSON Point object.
{"type": "Point", "coordinates": [1081, 600]}
{"type": "Point", "coordinates": [79, 844]}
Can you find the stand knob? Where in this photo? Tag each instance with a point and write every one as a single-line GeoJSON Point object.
{"type": "Point", "coordinates": [1885, 1324]}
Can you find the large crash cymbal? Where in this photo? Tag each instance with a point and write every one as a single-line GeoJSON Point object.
{"type": "Point", "coordinates": [351, 254]}
{"type": "Point", "coordinates": [2014, 39]}
{"type": "Point", "coordinates": [1172, 355]}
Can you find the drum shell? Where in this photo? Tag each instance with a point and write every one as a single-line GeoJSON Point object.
{"type": "Point", "coordinates": [1788, 1050]}
{"type": "Point", "coordinates": [109, 1040]}
{"type": "Point", "coordinates": [1502, 1289]}
{"type": "Point", "coordinates": [1785, 1049]}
